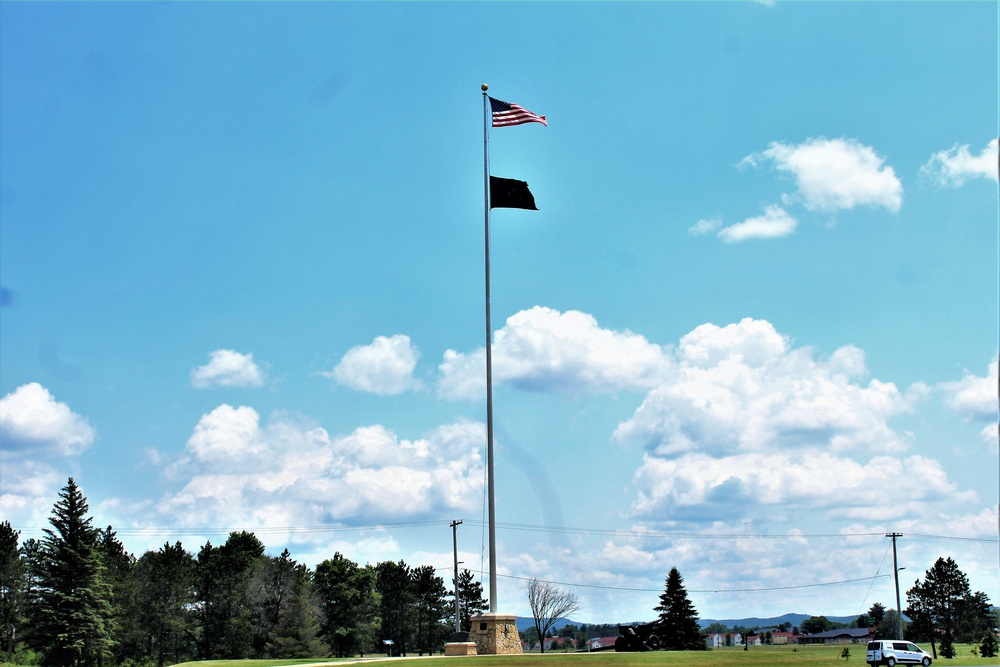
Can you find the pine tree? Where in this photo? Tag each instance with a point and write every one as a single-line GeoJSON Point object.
{"type": "Point", "coordinates": [119, 567]}
{"type": "Point", "coordinates": [166, 583]}
{"type": "Point", "coordinates": [297, 632]}
{"type": "Point", "coordinates": [350, 602]}
{"type": "Point", "coordinates": [224, 578]}
{"type": "Point", "coordinates": [392, 581]}
{"type": "Point", "coordinates": [12, 585]}
{"type": "Point", "coordinates": [471, 601]}
{"type": "Point", "coordinates": [943, 605]}
{"type": "Point", "coordinates": [430, 607]}
{"type": "Point", "coordinates": [677, 626]}
{"type": "Point", "coordinates": [989, 645]}
{"type": "Point", "coordinates": [284, 614]}
{"type": "Point", "coordinates": [71, 621]}
{"type": "Point", "coordinates": [31, 558]}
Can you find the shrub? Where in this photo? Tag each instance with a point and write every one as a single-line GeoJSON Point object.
{"type": "Point", "coordinates": [989, 645]}
{"type": "Point", "coordinates": [947, 648]}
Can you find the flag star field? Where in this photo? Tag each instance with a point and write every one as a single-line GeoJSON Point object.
{"type": "Point", "coordinates": [751, 329]}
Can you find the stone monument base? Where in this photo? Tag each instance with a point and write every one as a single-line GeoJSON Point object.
{"type": "Point", "coordinates": [460, 648]}
{"type": "Point", "coordinates": [496, 634]}
{"type": "Point", "coordinates": [459, 644]}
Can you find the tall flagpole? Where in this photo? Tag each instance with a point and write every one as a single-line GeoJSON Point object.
{"type": "Point", "coordinates": [489, 364]}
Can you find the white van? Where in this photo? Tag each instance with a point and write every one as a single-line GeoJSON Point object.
{"type": "Point", "coordinates": [894, 652]}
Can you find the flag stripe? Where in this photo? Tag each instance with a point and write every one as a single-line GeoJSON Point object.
{"type": "Point", "coordinates": [506, 114]}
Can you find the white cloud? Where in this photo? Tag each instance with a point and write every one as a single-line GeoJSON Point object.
{"type": "Point", "coordinates": [384, 367]}
{"type": "Point", "coordinates": [743, 388]}
{"type": "Point", "coordinates": [834, 174]}
{"type": "Point", "coordinates": [228, 368]}
{"type": "Point", "coordinates": [463, 376]}
{"type": "Point", "coordinates": [542, 349]}
{"type": "Point", "coordinates": [699, 487]}
{"type": "Point", "coordinates": [779, 438]}
{"type": "Point", "coordinates": [976, 399]}
{"type": "Point", "coordinates": [775, 223]}
{"type": "Point", "coordinates": [226, 434]}
{"type": "Point", "coordinates": [32, 421]}
{"type": "Point", "coordinates": [951, 168]}
{"type": "Point", "coordinates": [285, 473]}
{"type": "Point", "coordinates": [28, 491]}
{"type": "Point", "coordinates": [38, 434]}
{"type": "Point", "coordinates": [705, 226]}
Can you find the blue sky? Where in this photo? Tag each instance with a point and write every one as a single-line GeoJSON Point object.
{"type": "Point", "coordinates": [752, 328]}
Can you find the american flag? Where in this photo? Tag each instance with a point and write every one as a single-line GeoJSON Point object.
{"type": "Point", "coordinates": [506, 114]}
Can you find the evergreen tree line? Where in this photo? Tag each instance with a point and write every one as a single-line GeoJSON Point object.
{"type": "Point", "coordinates": [77, 598]}
{"type": "Point", "coordinates": [942, 608]}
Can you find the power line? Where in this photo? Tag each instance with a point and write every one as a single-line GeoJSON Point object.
{"type": "Point", "coordinates": [708, 590]}
{"type": "Point", "coordinates": [688, 535]}
{"type": "Point", "coordinates": [988, 540]}
{"type": "Point", "coordinates": [728, 536]}
{"type": "Point", "coordinates": [869, 592]}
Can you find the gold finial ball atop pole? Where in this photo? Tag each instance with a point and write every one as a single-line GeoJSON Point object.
{"type": "Point", "coordinates": [485, 87]}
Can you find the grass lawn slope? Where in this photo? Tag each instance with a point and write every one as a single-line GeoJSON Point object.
{"type": "Point", "coordinates": [760, 656]}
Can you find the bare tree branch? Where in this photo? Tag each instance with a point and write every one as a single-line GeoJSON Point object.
{"type": "Point", "coordinates": [548, 605]}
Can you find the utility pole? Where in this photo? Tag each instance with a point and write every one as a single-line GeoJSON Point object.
{"type": "Point", "coordinates": [895, 573]}
{"type": "Point", "coordinates": [458, 606]}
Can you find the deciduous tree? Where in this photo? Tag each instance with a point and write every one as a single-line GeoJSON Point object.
{"type": "Point", "coordinates": [815, 624]}
{"type": "Point", "coordinates": [887, 627]}
{"type": "Point", "coordinates": [548, 604]}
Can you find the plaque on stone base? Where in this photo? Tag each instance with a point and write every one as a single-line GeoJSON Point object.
{"type": "Point", "coordinates": [496, 634]}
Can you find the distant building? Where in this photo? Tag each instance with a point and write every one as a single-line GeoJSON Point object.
{"type": "Point", "coordinates": [718, 639]}
{"type": "Point", "coordinates": [841, 636]}
{"type": "Point", "coordinates": [600, 642]}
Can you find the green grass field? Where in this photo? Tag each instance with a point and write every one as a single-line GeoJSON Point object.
{"type": "Point", "coordinates": [758, 656]}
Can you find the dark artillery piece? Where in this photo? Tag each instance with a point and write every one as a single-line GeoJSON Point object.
{"type": "Point", "coordinates": [637, 638]}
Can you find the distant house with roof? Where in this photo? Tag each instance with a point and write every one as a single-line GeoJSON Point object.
{"type": "Point", "coordinates": [783, 638]}
{"type": "Point", "coordinates": [839, 636]}
{"type": "Point", "coordinates": [600, 642]}
{"type": "Point", "coordinates": [718, 639]}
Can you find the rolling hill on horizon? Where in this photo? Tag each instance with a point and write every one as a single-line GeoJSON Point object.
{"type": "Point", "coordinates": [795, 619]}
